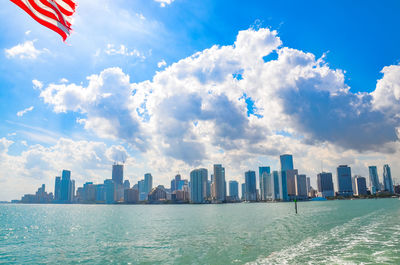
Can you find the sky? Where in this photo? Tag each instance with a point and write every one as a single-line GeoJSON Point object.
{"type": "Point", "coordinates": [171, 85]}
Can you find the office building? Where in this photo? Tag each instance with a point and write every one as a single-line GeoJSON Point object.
{"type": "Point", "coordinates": [251, 187]}
{"type": "Point", "coordinates": [261, 171]}
{"type": "Point", "coordinates": [118, 174]}
{"type": "Point", "coordinates": [175, 183]}
{"type": "Point", "coordinates": [387, 179]}
{"type": "Point", "coordinates": [157, 194]}
{"type": "Point", "coordinates": [286, 162]}
{"type": "Point", "coordinates": [344, 181]}
{"type": "Point", "coordinates": [234, 190]}
{"type": "Point", "coordinates": [374, 184]}
{"type": "Point", "coordinates": [148, 182]}
{"type": "Point", "coordinates": [110, 191]}
{"type": "Point", "coordinates": [131, 195]}
{"type": "Point", "coordinates": [67, 187]}
{"type": "Point", "coordinates": [283, 193]}
{"type": "Point", "coordinates": [325, 185]}
{"type": "Point", "coordinates": [219, 186]}
{"type": "Point", "coordinates": [198, 185]}
{"type": "Point", "coordinates": [301, 187]}
{"type": "Point", "coordinates": [243, 191]}
{"type": "Point", "coordinates": [127, 184]}
{"type": "Point", "coordinates": [291, 182]}
{"type": "Point", "coordinates": [57, 189]}
{"type": "Point", "coordinates": [361, 185]}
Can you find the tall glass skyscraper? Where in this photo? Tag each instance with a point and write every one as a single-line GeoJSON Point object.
{"type": "Point", "coordinates": [118, 174]}
{"type": "Point", "coordinates": [301, 186]}
{"type": "Point", "coordinates": [110, 191]}
{"type": "Point", "coordinates": [251, 187]}
{"type": "Point", "coordinates": [344, 181]}
{"type": "Point", "coordinates": [374, 184]}
{"type": "Point", "coordinates": [325, 185]}
{"type": "Point", "coordinates": [66, 187]}
{"type": "Point", "coordinates": [148, 182]}
{"type": "Point", "coordinates": [234, 189]}
{"type": "Point", "coordinates": [198, 185]}
{"type": "Point", "coordinates": [283, 194]}
{"type": "Point", "coordinates": [262, 181]}
{"type": "Point", "coordinates": [286, 162]}
{"type": "Point", "coordinates": [219, 183]}
{"type": "Point", "coordinates": [57, 189]}
{"type": "Point", "coordinates": [387, 179]}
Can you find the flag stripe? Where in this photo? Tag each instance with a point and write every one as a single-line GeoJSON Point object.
{"type": "Point", "coordinates": [45, 21]}
{"type": "Point", "coordinates": [53, 14]}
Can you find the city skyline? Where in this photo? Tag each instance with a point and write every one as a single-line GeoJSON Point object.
{"type": "Point", "coordinates": [286, 184]}
{"type": "Point", "coordinates": [166, 94]}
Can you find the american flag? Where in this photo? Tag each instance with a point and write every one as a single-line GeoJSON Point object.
{"type": "Point", "coordinates": [53, 14]}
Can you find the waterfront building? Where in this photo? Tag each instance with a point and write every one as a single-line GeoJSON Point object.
{"type": "Point", "coordinates": [110, 193]}
{"type": "Point", "coordinates": [175, 183]}
{"type": "Point", "coordinates": [57, 189]}
{"type": "Point", "coordinates": [234, 190]}
{"type": "Point", "coordinates": [325, 185]}
{"type": "Point", "coordinates": [361, 185]}
{"type": "Point", "coordinates": [41, 196]}
{"type": "Point", "coordinates": [88, 194]}
{"type": "Point", "coordinates": [157, 194]}
{"type": "Point", "coordinates": [283, 186]}
{"type": "Point", "coordinates": [373, 179]}
{"type": "Point", "coordinates": [286, 162]}
{"type": "Point", "coordinates": [67, 187]}
{"type": "Point", "coordinates": [198, 185]}
{"type": "Point", "coordinates": [118, 174]}
{"type": "Point", "coordinates": [142, 192]}
{"type": "Point", "coordinates": [148, 183]}
{"type": "Point", "coordinates": [387, 179]}
{"type": "Point", "coordinates": [243, 190]}
{"type": "Point", "coordinates": [127, 184]}
{"type": "Point", "coordinates": [301, 187]}
{"type": "Point", "coordinates": [219, 186]}
{"type": "Point", "coordinates": [343, 181]}
{"type": "Point", "coordinates": [275, 175]}
{"type": "Point", "coordinates": [269, 186]}
{"type": "Point", "coordinates": [308, 184]}
{"type": "Point", "coordinates": [208, 189]}
{"type": "Point", "coordinates": [251, 187]}
{"type": "Point", "coordinates": [100, 193]}
{"type": "Point", "coordinates": [262, 182]}
{"type": "Point", "coordinates": [291, 182]}
{"type": "Point", "coordinates": [131, 195]}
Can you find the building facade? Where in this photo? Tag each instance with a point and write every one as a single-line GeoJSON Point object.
{"type": "Point", "coordinates": [344, 181]}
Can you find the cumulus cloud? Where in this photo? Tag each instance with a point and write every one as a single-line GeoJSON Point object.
{"type": "Point", "coordinates": [26, 50]}
{"type": "Point", "coordinates": [37, 84]}
{"type": "Point", "coordinates": [163, 3]}
{"type": "Point", "coordinates": [161, 63]}
{"type": "Point", "coordinates": [23, 112]}
{"type": "Point", "coordinates": [232, 104]}
{"type": "Point", "coordinates": [123, 50]}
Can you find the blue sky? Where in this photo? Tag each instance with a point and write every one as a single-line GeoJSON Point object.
{"type": "Point", "coordinates": [184, 113]}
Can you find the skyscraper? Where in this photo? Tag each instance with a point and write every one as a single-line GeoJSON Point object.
{"type": "Point", "coordinates": [374, 184]}
{"type": "Point", "coordinates": [175, 183]}
{"type": "Point", "coordinates": [127, 184]}
{"type": "Point", "coordinates": [57, 189]}
{"type": "Point", "coordinates": [291, 182]}
{"type": "Point", "coordinates": [110, 194]}
{"type": "Point", "coordinates": [361, 185]}
{"type": "Point", "coordinates": [262, 182]}
{"type": "Point", "coordinates": [251, 187]}
{"type": "Point", "coordinates": [142, 190]}
{"type": "Point", "coordinates": [275, 175]}
{"type": "Point", "coordinates": [66, 187]}
{"type": "Point", "coordinates": [301, 186]}
{"type": "Point", "coordinates": [219, 183]}
{"type": "Point", "coordinates": [283, 194]}
{"type": "Point", "coordinates": [234, 189]}
{"type": "Point", "coordinates": [387, 179]}
{"type": "Point", "coordinates": [325, 185]}
{"type": "Point", "coordinates": [269, 186]}
{"type": "Point", "coordinates": [286, 162]}
{"type": "Point", "coordinates": [243, 190]}
{"type": "Point", "coordinates": [308, 185]}
{"type": "Point", "coordinates": [198, 185]}
{"type": "Point", "coordinates": [148, 182]}
{"type": "Point", "coordinates": [118, 174]}
{"type": "Point", "coordinates": [343, 181]}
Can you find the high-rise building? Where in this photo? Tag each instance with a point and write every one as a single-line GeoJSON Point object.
{"type": "Point", "coordinates": [374, 179]}
{"type": "Point", "coordinates": [361, 185]}
{"type": "Point", "coordinates": [198, 185]}
{"type": "Point", "coordinates": [118, 174]}
{"type": "Point", "coordinates": [243, 190]}
{"type": "Point", "coordinates": [251, 187]}
{"type": "Point", "coordinates": [286, 162]}
{"type": "Point", "coordinates": [100, 193]}
{"type": "Point", "coordinates": [275, 175]}
{"type": "Point", "coordinates": [308, 184]}
{"type": "Point", "coordinates": [110, 193]}
{"type": "Point", "coordinates": [325, 185]}
{"type": "Point", "coordinates": [269, 186]}
{"type": "Point", "coordinates": [208, 189]}
{"type": "Point", "coordinates": [301, 186]}
{"type": "Point", "coordinates": [142, 191]}
{"type": "Point", "coordinates": [57, 189]}
{"type": "Point", "coordinates": [219, 183]}
{"type": "Point", "coordinates": [283, 193]}
{"type": "Point", "coordinates": [131, 195]}
{"type": "Point", "coordinates": [291, 182]}
{"type": "Point", "coordinates": [387, 179]}
{"type": "Point", "coordinates": [175, 183]}
{"type": "Point", "coordinates": [262, 181]}
{"type": "Point", "coordinates": [234, 189]}
{"type": "Point", "coordinates": [343, 181]}
{"type": "Point", "coordinates": [66, 187]}
{"type": "Point", "coordinates": [127, 184]}
{"type": "Point", "coordinates": [148, 182]}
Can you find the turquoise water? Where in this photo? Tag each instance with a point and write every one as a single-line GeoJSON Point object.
{"type": "Point", "coordinates": [331, 232]}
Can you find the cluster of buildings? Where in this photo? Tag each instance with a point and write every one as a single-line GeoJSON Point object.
{"type": "Point", "coordinates": [286, 184]}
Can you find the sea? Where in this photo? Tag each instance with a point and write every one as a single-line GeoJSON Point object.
{"type": "Point", "coordinates": [323, 232]}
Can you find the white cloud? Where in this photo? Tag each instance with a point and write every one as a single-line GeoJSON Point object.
{"type": "Point", "coordinates": [163, 3]}
{"type": "Point", "coordinates": [140, 15]}
{"type": "Point", "coordinates": [123, 50]}
{"type": "Point", "coordinates": [25, 50]}
{"type": "Point", "coordinates": [23, 112]}
{"type": "Point", "coordinates": [161, 63]}
{"type": "Point", "coordinates": [37, 84]}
